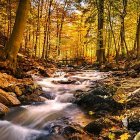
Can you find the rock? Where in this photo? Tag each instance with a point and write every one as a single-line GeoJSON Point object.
{"type": "Point", "coordinates": [15, 89]}
{"type": "Point", "coordinates": [69, 131]}
{"type": "Point", "coordinates": [5, 80]}
{"type": "Point", "coordinates": [28, 89]}
{"type": "Point", "coordinates": [3, 109]}
{"type": "Point", "coordinates": [119, 73]}
{"type": "Point", "coordinates": [8, 99]}
{"type": "Point", "coordinates": [64, 81]}
{"type": "Point", "coordinates": [100, 98]}
{"type": "Point", "coordinates": [75, 133]}
{"type": "Point", "coordinates": [137, 137]}
{"type": "Point", "coordinates": [77, 137]}
{"type": "Point", "coordinates": [98, 125]}
{"type": "Point", "coordinates": [43, 72]}
{"type": "Point", "coordinates": [94, 128]}
{"type": "Point", "coordinates": [65, 98]}
{"type": "Point", "coordinates": [134, 99]}
{"type": "Point", "coordinates": [134, 120]}
{"type": "Point", "coordinates": [27, 99]}
{"type": "Point", "coordinates": [50, 137]}
{"type": "Point", "coordinates": [12, 94]}
{"type": "Point", "coordinates": [42, 99]}
{"type": "Point", "coordinates": [49, 96]}
{"type": "Point", "coordinates": [132, 73]}
{"type": "Point", "coordinates": [136, 66]}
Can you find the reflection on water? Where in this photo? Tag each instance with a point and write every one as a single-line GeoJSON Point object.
{"type": "Point", "coordinates": [28, 122]}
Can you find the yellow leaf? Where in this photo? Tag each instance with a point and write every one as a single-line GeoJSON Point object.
{"type": "Point", "coordinates": [121, 101]}
{"type": "Point", "coordinates": [124, 136]}
{"type": "Point", "coordinates": [91, 113]}
{"type": "Point", "coordinates": [111, 136]}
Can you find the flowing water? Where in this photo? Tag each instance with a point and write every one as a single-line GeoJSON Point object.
{"type": "Point", "coordinates": [39, 121]}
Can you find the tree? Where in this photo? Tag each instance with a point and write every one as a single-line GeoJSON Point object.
{"type": "Point", "coordinates": [138, 37]}
{"type": "Point", "coordinates": [100, 44]}
{"type": "Point", "coordinates": [15, 40]}
{"type": "Point", "coordinates": [122, 28]}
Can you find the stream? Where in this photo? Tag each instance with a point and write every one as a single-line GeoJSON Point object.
{"type": "Point", "coordinates": [42, 121]}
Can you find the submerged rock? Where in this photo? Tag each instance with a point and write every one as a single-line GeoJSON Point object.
{"type": "Point", "coordinates": [48, 95]}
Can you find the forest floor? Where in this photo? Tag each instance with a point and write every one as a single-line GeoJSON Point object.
{"type": "Point", "coordinates": [114, 110]}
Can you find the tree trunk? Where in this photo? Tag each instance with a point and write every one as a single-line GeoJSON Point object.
{"type": "Point", "coordinates": [48, 30]}
{"type": "Point", "coordinates": [111, 28]}
{"type": "Point", "coordinates": [122, 30]}
{"type": "Point", "coordinates": [37, 30]}
{"type": "Point", "coordinates": [13, 44]}
{"type": "Point", "coordinates": [138, 38]}
{"type": "Point", "coordinates": [100, 46]}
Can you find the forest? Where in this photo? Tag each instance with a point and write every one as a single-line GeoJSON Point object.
{"type": "Point", "coordinates": [69, 69]}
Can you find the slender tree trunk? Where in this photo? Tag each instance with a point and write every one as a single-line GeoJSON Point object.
{"type": "Point", "coordinates": [60, 28]}
{"type": "Point", "coordinates": [122, 36]}
{"type": "Point", "coordinates": [111, 27]}
{"type": "Point", "coordinates": [100, 44]}
{"type": "Point", "coordinates": [9, 17]}
{"type": "Point", "coordinates": [45, 31]}
{"type": "Point", "coordinates": [122, 30]}
{"type": "Point", "coordinates": [15, 40]}
{"type": "Point", "coordinates": [48, 30]}
{"type": "Point", "coordinates": [37, 31]}
{"type": "Point", "coordinates": [138, 38]}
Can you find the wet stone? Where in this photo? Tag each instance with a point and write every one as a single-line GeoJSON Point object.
{"type": "Point", "coordinates": [48, 95]}
{"type": "Point", "coordinates": [134, 99]}
{"type": "Point", "coordinates": [134, 121]}
{"type": "Point", "coordinates": [50, 137]}
{"type": "Point", "coordinates": [96, 126]}
{"type": "Point", "coordinates": [98, 99]}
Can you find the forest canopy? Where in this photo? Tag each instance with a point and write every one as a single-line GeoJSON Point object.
{"type": "Point", "coordinates": [88, 30]}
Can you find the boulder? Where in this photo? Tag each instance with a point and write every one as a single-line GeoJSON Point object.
{"type": "Point", "coordinates": [8, 99]}
{"type": "Point", "coordinates": [5, 80]}
{"type": "Point", "coordinates": [43, 72]}
{"type": "Point", "coordinates": [134, 99]}
{"type": "Point", "coordinates": [137, 137]}
{"type": "Point", "coordinates": [15, 89]}
{"type": "Point", "coordinates": [27, 99]}
{"type": "Point", "coordinates": [95, 127]}
{"type": "Point", "coordinates": [134, 120]}
{"type": "Point", "coordinates": [100, 98]}
{"type": "Point", "coordinates": [3, 109]}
